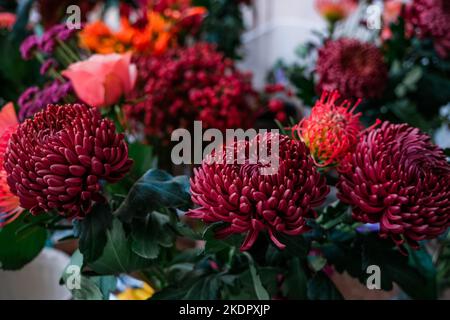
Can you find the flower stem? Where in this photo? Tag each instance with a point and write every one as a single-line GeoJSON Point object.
{"type": "Point", "coordinates": [68, 50]}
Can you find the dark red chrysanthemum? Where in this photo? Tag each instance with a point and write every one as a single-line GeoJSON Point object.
{"type": "Point", "coordinates": [398, 178]}
{"type": "Point", "coordinates": [249, 202]}
{"type": "Point", "coordinates": [331, 130]}
{"type": "Point", "coordinates": [187, 84]}
{"type": "Point", "coordinates": [353, 68]}
{"type": "Point", "coordinates": [57, 159]}
{"type": "Point", "coordinates": [431, 18]}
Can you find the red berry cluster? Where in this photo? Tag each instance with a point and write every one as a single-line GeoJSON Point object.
{"type": "Point", "coordinates": [187, 84]}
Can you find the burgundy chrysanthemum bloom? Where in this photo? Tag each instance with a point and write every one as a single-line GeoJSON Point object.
{"type": "Point", "coordinates": [353, 68]}
{"type": "Point", "coordinates": [398, 178]}
{"type": "Point", "coordinates": [431, 18]}
{"type": "Point", "coordinates": [331, 130]}
{"type": "Point", "coordinates": [57, 159]}
{"type": "Point", "coordinates": [250, 202]}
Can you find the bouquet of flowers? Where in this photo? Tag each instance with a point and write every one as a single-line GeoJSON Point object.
{"type": "Point", "coordinates": [275, 215]}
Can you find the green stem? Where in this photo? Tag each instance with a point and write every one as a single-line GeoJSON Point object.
{"type": "Point", "coordinates": [68, 50]}
{"type": "Point", "coordinates": [62, 57]}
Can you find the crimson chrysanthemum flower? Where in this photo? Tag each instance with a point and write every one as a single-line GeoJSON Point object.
{"type": "Point", "coordinates": [56, 160]}
{"type": "Point", "coordinates": [431, 18]}
{"type": "Point", "coordinates": [353, 68]}
{"type": "Point", "coordinates": [250, 202]}
{"type": "Point", "coordinates": [398, 178]}
{"type": "Point", "coordinates": [9, 203]}
{"type": "Point", "coordinates": [187, 84]}
{"type": "Point", "coordinates": [331, 130]}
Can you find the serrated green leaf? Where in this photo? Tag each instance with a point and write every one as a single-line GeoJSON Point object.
{"type": "Point", "coordinates": [93, 232]}
{"type": "Point", "coordinates": [118, 256]}
{"type": "Point", "coordinates": [156, 189]}
{"type": "Point", "coordinates": [295, 284]}
{"type": "Point", "coordinates": [151, 232]}
{"type": "Point", "coordinates": [261, 292]}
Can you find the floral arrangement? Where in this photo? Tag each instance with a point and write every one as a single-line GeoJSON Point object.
{"type": "Point", "coordinates": [83, 147]}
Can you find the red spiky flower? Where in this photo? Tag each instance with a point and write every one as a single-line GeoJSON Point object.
{"type": "Point", "coordinates": [56, 160]}
{"type": "Point", "coordinates": [431, 18]}
{"type": "Point", "coordinates": [331, 130]}
{"type": "Point", "coordinates": [9, 203]}
{"type": "Point", "coordinates": [250, 202]}
{"type": "Point", "coordinates": [398, 178]}
{"type": "Point", "coordinates": [356, 69]}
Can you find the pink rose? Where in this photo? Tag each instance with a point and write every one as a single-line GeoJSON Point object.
{"type": "Point", "coordinates": [102, 79]}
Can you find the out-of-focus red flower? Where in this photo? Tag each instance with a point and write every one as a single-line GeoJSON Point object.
{"type": "Point", "coordinates": [102, 79]}
{"type": "Point", "coordinates": [355, 69]}
{"type": "Point", "coordinates": [335, 10]}
{"type": "Point", "coordinates": [398, 178]}
{"type": "Point", "coordinates": [56, 160]}
{"type": "Point", "coordinates": [187, 84]}
{"type": "Point", "coordinates": [250, 202]}
{"type": "Point", "coordinates": [332, 129]}
{"type": "Point", "coordinates": [431, 18]}
{"type": "Point", "coordinates": [9, 203]}
{"type": "Point", "coordinates": [7, 20]}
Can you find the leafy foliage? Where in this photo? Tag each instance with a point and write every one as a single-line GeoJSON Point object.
{"type": "Point", "coordinates": [21, 241]}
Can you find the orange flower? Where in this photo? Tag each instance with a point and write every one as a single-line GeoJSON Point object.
{"type": "Point", "coordinates": [9, 203]}
{"type": "Point", "coordinates": [154, 37]}
{"type": "Point", "coordinates": [97, 37]}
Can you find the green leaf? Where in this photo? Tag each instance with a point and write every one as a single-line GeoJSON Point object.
{"type": "Point", "coordinates": [414, 274]}
{"type": "Point", "coordinates": [194, 285]}
{"type": "Point", "coordinates": [261, 292]}
{"type": "Point", "coordinates": [320, 287]}
{"type": "Point", "coordinates": [118, 256]}
{"type": "Point", "coordinates": [156, 189]}
{"type": "Point", "coordinates": [214, 245]}
{"type": "Point", "coordinates": [23, 14]}
{"type": "Point", "coordinates": [317, 262]}
{"type": "Point", "coordinates": [93, 232]}
{"type": "Point", "coordinates": [19, 248]}
{"type": "Point", "coordinates": [296, 246]}
{"type": "Point", "coordinates": [295, 284]}
{"type": "Point", "coordinates": [406, 111]}
{"type": "Point", "coordinates": [106, 284]}
{"type": "Point", "coordinates": [143, 157]}
{"type": "Point", "coordinates": [447, 152]}
{"type": "Point", "coordinates": [151, 232]}
{"type": "Point", "coordinates": [83, 287]}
